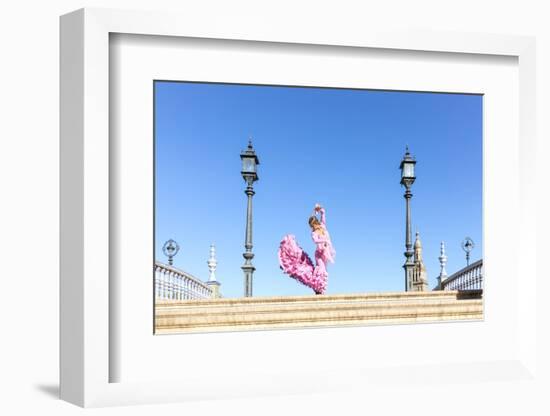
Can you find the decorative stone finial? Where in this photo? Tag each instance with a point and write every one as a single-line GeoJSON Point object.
{"type": "Point", "coordinates": [419, 273]}
{"type": "Point", "coordinates": [212, 263]}
{"type": "Point", "coordinates": [417, 242]}
{"type": "Point", "coordinates": [442, 262]}
{"type": "Point", "coordinates": [417, 247]}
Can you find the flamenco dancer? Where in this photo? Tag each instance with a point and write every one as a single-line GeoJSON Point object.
{"type": "Point", "coordinates": [295, 262]}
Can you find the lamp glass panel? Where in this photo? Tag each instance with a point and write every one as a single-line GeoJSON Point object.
{"type": "Point", "coordinates": [408, 170]}
{"type": "Point", "coordinates": [249, 165]}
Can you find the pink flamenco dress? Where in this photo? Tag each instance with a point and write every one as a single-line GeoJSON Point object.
{"type": "Point", "coordinates": [295, 262]}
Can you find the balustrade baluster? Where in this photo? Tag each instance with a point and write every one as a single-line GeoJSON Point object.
{"type": "Point", "coordinates": [163, 284]}
{"type": "Point", "coordinates": [156, 277]}
{"type": "Point", "coordinates": [175, 286]}
{"type": "Point", "coordinates": [167, 285]}
{"type": "Point", "coordinates": [479, 279]}
{"type": "Point", "coordinates": [172, 285]}
{"type": "Point", "coordinates": [159, 282]}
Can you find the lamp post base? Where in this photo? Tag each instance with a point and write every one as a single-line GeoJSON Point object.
{"type": "Point", "coordinates": [248, 276]}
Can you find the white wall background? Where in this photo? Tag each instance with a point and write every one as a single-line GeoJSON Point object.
{"type": "Point", "coordinates": [29, 189]}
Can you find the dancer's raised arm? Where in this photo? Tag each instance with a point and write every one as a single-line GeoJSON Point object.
{"type": "Point", "coordinates": [323, 218]}
{"type": "Point", "coordinates": [321, 210]}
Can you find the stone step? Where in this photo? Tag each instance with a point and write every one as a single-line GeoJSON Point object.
{"type": "Point", "coordinates": [311, 311]}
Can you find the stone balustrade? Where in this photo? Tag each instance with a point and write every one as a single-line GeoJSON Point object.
{"type": "Point", "coordinates": [172, 316]}
{"type": "Point", "coordinates": [174, 284]}
{"type": "Point", "coordinates": [469, 278]}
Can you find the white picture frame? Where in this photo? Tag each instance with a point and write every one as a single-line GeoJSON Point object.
{"type": "Point", "coordinates": [86, 355]}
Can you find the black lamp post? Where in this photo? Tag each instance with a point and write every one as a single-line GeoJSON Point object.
{"type": "Point", "coordinates": [249, 172]}
{"type": "Point", "coordinates": [407, 179]}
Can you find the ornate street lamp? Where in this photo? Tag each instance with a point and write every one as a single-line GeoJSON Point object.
{"type": "Point", "coordinates": [170, 249]}
{"type": "Point", "coordinates": [407, 179]}
{"type": "Point", "coordinates": [249, 171]}
{"type": "Point", "coordinates": [468, 245]}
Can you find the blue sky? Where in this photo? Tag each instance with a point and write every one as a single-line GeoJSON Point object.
{"type": "Point", "coordinates": [338, 147]}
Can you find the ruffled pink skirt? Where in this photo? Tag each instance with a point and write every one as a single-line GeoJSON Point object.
{"type": "Point", "coordinates": [295, 262]}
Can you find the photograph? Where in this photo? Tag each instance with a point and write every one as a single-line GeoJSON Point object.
{"type": "Point", "coordinates": [289, 206]}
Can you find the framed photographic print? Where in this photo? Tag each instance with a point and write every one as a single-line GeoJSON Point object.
{"type": "Point", "coordinates": [339, 145]}
{"type": "Point", "coordinates": [248, 214]}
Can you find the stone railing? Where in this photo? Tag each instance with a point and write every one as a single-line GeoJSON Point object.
{"type": "Point", "coordinates": [469, 278]}
{"type": "Point", "coordinates": [174, 284]}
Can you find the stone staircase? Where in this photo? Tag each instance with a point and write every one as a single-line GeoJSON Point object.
{"type": "Point", "coordinates": [255, 313]}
